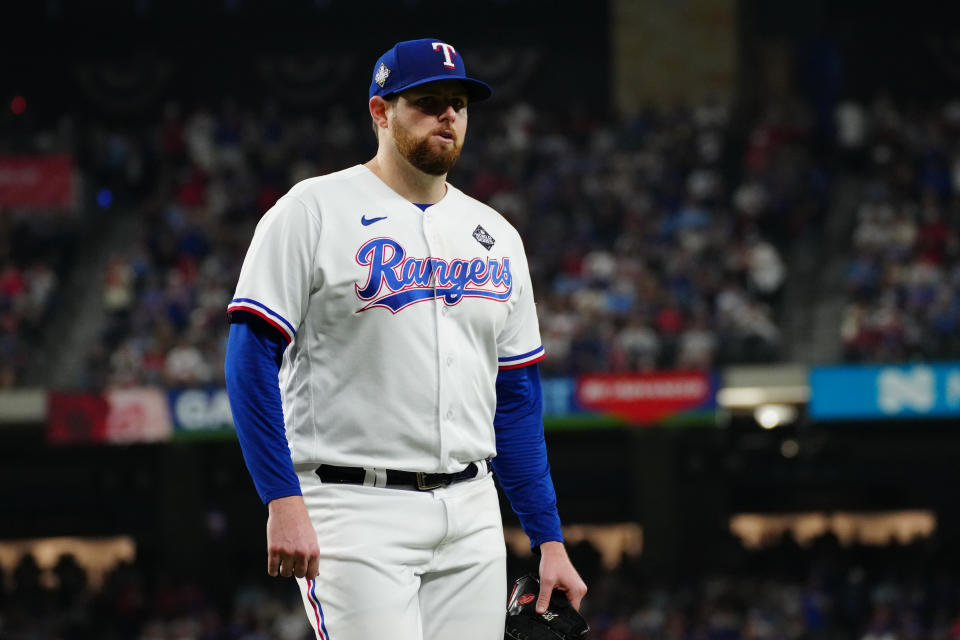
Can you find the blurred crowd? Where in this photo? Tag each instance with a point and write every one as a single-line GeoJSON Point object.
{"type": "Point", "coordinates": [903, 275]}
{"type": "Point", "coordinates": [657, 241]}
{"type": "Point", "coordinates": [654, 242]}
{"type": "Point", "coordinates": [40, 248]}
{"type": "Point", "coordinates": [35, 250]}
{"type": "Point", "coordinates": [61, 604]}
{"type": "Point", "coordinates": [824, 591]}
{"type": "Point", "coordinates": [781, 592]}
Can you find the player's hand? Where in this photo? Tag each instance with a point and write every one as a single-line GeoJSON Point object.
{"type": "Point", "coordinates": [556, 572]}
{"type": "Point", "coordinates": [292, 548]}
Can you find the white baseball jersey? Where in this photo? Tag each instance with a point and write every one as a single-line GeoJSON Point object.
{"type": "Point", "coordinates": [398, 320]}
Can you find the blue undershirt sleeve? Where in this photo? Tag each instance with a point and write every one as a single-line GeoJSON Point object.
{"type": "Point", "coordinates": [521, 463]}
{"type": "Point", "coordinates": [254, 355]}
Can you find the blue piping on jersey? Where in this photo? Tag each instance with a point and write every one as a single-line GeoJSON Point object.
{"type": "Point", "coordinates": [522, 355]}
{"type": "Point", "coordinates": [268, 310]}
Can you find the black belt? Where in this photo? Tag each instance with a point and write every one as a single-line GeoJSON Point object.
{"type": "Point", "coordinates": [408, 479]}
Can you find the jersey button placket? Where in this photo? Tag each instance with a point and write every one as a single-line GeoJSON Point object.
{"type": "Point", "coordinates": [433, 246]}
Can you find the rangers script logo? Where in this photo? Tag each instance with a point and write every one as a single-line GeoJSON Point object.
{"type": "Point", "coordinates": [411, 280]}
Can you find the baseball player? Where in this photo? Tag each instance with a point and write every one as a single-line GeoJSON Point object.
{"type": "Point", "coordinates": [381, 367]}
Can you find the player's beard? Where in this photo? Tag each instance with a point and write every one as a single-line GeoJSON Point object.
{"type": "Point", "coordinates": [426, 154]}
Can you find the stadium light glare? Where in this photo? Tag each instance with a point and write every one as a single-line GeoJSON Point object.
{"type": "Point", "coordinates": [789, 448]}
{"type": "Point", "coordinates": [770, 416]}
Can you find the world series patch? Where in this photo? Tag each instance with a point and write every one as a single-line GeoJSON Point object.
{"type": "Point", "coordinates": [382, 74]}
{"type": "Point", "coordinates": [484, 238]}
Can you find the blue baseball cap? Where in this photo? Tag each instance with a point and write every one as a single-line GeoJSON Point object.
{"type": "Point", "coordinates": [415, 62]}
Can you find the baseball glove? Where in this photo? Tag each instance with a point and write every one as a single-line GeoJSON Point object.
{"type": "Point", "coordinates": [560, 621]}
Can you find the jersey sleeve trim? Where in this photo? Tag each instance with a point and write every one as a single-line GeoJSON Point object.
{"type": "Point", "coordinates": [265, 312]}
{"type": "Point", "coordinates": [522, 360]}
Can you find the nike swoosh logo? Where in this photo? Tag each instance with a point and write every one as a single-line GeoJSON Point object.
{"type": "Point", "coordinates": [365, 221]}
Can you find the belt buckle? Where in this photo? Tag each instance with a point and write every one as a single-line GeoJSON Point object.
{"type": "Point", "coordinates": [423, 485]}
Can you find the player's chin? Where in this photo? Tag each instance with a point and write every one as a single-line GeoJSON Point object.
{"type": "Point", "coordinates": [435, 162]}
{"type": "Point", "coordinates": [444, 148]}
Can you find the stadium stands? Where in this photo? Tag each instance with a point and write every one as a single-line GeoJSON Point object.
{"type": "Point", "coordinates": [645, 255]}
{"type": "Point", "coordinates": [824, 590]}
{"type": "Point", "coordinates": [663, 240]}
{"type": "Point", "coordinates": [903, 274]}
{"type": "Point", "coordinates": [35, 251]}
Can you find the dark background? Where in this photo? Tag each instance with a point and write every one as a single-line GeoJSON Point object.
{"type": "Point", "coordinates": [682, 484]}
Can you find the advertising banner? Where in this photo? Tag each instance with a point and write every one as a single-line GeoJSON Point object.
{"type": "Point", "coordinates": [76, 418]}
{"type": "Point", "coordinates": [663, 398]}
{"type": "Point", "coordinates": [137, 415]}
{"type": "Point", "coordinates": [118, 416]}
{"type": "Point", "coordinates": [649, 398]}
{"type": "Point", "coordinates": [201, 413]}
{"type": "Point", "coordinates": [893, 391]}
{"type": "Point", "coordinates": [37, 181]}
{"type": "Point", "coordinates": [122, 416]}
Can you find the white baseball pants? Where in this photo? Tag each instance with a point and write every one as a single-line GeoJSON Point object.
{"type": "Point", "coordinates": [404, 564]}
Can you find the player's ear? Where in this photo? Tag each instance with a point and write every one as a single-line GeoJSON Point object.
{"type": "Point", "coordinates": [378, 111]}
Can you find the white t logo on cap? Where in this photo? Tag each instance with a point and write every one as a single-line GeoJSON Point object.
{"type": "Point", "coordinates": [448, 50]}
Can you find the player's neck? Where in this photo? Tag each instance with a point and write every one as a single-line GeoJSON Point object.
{"type": "Point", "coordinates": [408, 181]}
